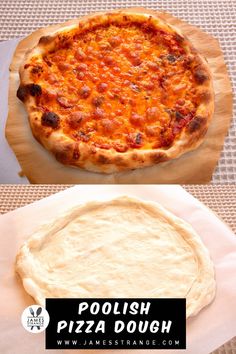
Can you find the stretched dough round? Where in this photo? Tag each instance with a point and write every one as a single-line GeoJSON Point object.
{"type": "Point", "coordinates": [123, 247]}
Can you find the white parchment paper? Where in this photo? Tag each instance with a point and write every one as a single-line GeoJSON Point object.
{"type": "Point", "coordinates": [212, 327]}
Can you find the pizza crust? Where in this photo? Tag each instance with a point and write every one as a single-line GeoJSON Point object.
{"type": "Point", "coordinates": [70, 152]}
{"type": "Point", "coordinates": [124, 247]}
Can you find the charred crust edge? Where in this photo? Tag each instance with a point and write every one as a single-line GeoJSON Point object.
{"type": "Point", "coordinates": [30, 89]}
{"type": "Point", "coordinates": [201, 76]}
{"type": "Point", "coordinates": [50, 119]}
{"type": "Point", "coordinates": [45, 40]}
{"type": "Point", "coordinates": [34, 89]}
{"type": "Point", "coordinates": [64, 153]}
{"type": "Point", "coordinates": [22, 93]}
{"type": "Point", "coordinates": [104, 160]}
{"type": "Point", "coordinates": [179, 38]}
{"type": "Point", "coordinates": [196, 124]}
{"type": "Point", "coordinates": [157, 157]}
{"type": "Point", "coordinates": [205, 96]}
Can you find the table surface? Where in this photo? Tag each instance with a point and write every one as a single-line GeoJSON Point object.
{"type": "Point", "coordinates": [220, 198]}
{"type": "Point", "coordinates": [18, 18]}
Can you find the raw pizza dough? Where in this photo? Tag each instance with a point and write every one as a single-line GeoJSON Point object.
{"type": "Point", "coordinates": [122, 247]}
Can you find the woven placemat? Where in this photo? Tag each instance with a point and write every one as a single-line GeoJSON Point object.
{"type": "Point", "coordinates": [220, 198]}
{"type": "Point", "coordinates": [217, 17]}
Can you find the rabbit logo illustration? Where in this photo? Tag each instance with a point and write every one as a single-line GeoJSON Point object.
{"type": "Point", "coordinates": [35, 319]}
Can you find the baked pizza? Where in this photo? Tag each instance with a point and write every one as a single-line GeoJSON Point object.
{"type": "Point", "coordinates": [116, 91]}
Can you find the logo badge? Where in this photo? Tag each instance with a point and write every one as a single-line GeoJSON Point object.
{"type": "Point", "coordinates": [35, 319]}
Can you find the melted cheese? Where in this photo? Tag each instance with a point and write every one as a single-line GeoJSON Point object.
{"type": "Point", "coordinates": [118, 87]}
